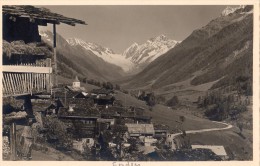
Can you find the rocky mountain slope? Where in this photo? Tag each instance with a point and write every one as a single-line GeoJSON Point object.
{"type": "Point", "coordinates": [106, 54]}
{"type": "Point", "coordinates": [143, 54]}
{"type": "Point", "coordinates": [221, 51]}
{"type": "Point", "coordinates": [133, 60]}
{"type": "Point", "coordinates": [76, 60]}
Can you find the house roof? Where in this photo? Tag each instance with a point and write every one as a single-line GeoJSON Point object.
{"type": "Point", "coordinates": [108, 97]}
{"type": "Point", "coordinates": [82, 94]}
{"type": "Point", "coordinates": [161, 127]}
{"type": "Point", "coordinates": [140, 128]}
{"type": "Point", "coordinates": [78, 113]}
{"type": "Point", "coordinates": [61, 94]}
{"type": "Point", "coordinates": [80, 103]}
{"type": "Point", "coordinates": [41, 106]}
{"type": "Point", "coordinates": [218, 150]}
{"type": "Point", "coordinates": [30, 49]}
{"type": "Point", "coordinates": [116, 109]}
{"type": "Point", "coordinates": [40, 15]}
{"type": "Point", "coordinates": [75, 89]}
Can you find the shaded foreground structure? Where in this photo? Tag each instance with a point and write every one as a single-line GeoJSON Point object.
{"type": "Point", "coordinates": [28, 66]}
{"type": "Point", "coordinates": [27, 62]}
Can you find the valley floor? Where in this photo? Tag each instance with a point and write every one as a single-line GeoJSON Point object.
{"type": "Point", "coordinates": [238, 147]}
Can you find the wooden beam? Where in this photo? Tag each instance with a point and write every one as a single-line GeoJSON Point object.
{"type": "Point", "coordinates": [5, 84]}
{"type": "Point", "coordinates": [13, 141]}
{"type": "Point", "coordinates": [55, 55]}
{"type": "Point", "coordinates": [26, 69]}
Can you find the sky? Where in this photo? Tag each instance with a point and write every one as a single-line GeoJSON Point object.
{"type": "Point", "coordinates": [118, 27]}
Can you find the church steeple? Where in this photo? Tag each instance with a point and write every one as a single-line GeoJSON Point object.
{"type": "Point", "coordinates": [76, 83]}
{"type": "Point", "coordinates": [76, 79]}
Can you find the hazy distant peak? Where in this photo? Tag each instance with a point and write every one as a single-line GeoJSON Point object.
{"type": "Point", "coordinates": [159, 38]}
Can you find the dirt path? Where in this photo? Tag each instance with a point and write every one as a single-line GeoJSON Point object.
{"type": "Point", "coordinates": [228, 126]}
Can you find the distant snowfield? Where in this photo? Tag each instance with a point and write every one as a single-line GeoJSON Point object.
{"type": "Point", "coordinates": [105, 53]}
{"type": "Point", "coordinates": [118, 60]}
{"type": "Point", "coordinates": [132, 58]}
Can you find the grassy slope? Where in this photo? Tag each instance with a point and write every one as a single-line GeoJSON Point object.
{"type": "Point", "coordinates": [164, 115]}
{"type": "Point", "coordinates": [235, 145]}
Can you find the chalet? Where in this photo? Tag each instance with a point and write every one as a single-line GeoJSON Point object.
{"type": "Point", "coordinates": [46, 107]}
{"type": "Point", "coordinates": [104, 100]}
{"type": "Point", "coordinates": [102, 92]}
{"type": "Point", "coordinates": [79, 103]}
{"type": "Point", "coordinates": [108, 121]}
{"type": "Point", "coordinates": [137, 130]}
{"type": "Point", "coordinates": [84, 120]}
{"type": "Point", "coordinates": [127, 114]}
{"type": "Point", "coordinates": [82, 95]}
{"type": "Point", "coordinates": [161, 131]}
{"type": "Point", "coordinates": [27, 65]}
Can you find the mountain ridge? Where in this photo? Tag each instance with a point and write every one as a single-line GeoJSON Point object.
{"type": "Point", "coordinates": [204, 51]}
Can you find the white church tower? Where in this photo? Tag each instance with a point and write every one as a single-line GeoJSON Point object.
{"type": "Point", "coordinates": [76, 83]}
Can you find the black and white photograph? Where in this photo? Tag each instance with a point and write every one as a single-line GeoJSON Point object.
{"type": "Point", "coordinates": [129, 83]}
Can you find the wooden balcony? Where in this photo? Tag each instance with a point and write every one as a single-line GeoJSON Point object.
{"type": "Point", "coordinates": [25, 79]}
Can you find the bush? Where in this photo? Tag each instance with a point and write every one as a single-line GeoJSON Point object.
{"type": "Point", "coordinates": [160, 100]}
{"type": "Point", "coordinates": [174, 101]}
{"type": "Point", "coordinates": [58, 129]}
{"type": "Point", "coordinates": [150, 99]}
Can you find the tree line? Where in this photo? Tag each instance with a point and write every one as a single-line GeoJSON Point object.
{"type": "Point", "coordinates": [219, 107]}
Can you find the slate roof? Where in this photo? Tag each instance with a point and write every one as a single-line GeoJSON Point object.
{"type": "Point", "coordinates": [218, 150]}
{"type": "Point", "coordinates": [39, 15]}
{"type": "Point", "coordinates": [78, 113]}
{"type": "Point", "coordinates": [75, 89]}
{"type": "Point", "coordinates": [140, 128]}
{"type": "Point", "coordinates": [30, 49]}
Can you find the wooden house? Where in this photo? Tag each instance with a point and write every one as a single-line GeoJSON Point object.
{"type": "Point", "coordinates": [137, 130]}
{"type": "Point", "coordinates": [46, 108]}
{"type": "Point", "coordinates": [104, 100]}
{"type": "Point", "coordinates": [27, 62]}
{"type": "Point", "coordinates": [102, 92]}
{"type": "Point", "coordinates": [83, 120]}
{"type": "Point", "coordinates": [82, 95]}
{"type": "Point", "coordinates": [161, 131]}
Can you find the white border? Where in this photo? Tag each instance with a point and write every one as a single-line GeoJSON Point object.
{"type": "Point", "coordinates": [256, 91]}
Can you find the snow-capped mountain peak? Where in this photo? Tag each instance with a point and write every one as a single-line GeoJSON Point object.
{"type": "Point", "coordinates": [132, 58]}
{"type": "Point", "coordinates": [105, 53]}
{"type": "Point", "coordinates": [153, 48]}
{"type": "Point", "coordinates": [228, 10]}
{"type": "Point", "coordinates": [159, 38]}
{"type": "Point", "coordinates": [90, 46]}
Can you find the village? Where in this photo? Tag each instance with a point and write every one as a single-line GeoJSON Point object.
{"type": "Point", "coordinates": [43, 116]}
{"type": "Point", "coordinates": [95, 125]}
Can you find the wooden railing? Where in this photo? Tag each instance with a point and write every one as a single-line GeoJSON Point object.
{"type": "Point", "coordinates": [26, 79]}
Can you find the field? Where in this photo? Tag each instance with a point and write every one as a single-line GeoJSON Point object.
{"type": "Point", "coordinates": [164, 115]}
